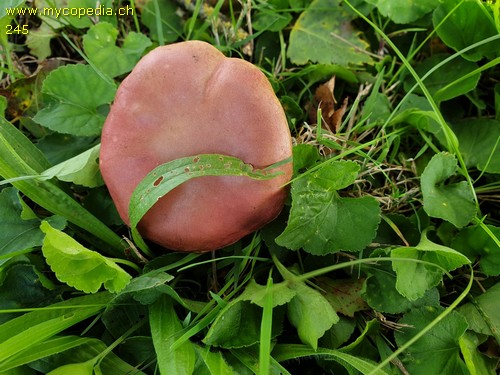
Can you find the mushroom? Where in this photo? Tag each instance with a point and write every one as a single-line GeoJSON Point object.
{"type": "Point", "coordinates": [187, 99]}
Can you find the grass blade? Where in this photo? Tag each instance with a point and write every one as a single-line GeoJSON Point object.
{"type": "Point", "coordinates": [32, 328]}
{"type": "Point", "coordinates": [19, 157]}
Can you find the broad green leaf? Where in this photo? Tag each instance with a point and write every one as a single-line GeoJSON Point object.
{"type": "Point", "coordinates": [453, 202]}
{"type": "Point", "coordinates": [470, 23]}
{"type": "Point", "coordinates": [164, 178]}
{"type": "Point", "coordinates": [309, 311]}
{"type": "Point", "coordinates": [22, 286]}
{"type": "Point", "coordinates": [311, 314]}
{"type": "Point", "coordinates": [270, 19]}
{"type": "Point", "coordinates": [162, 20]}
{"type": "Point", "coordinates": [77, 94]}
{"type": "Point", "coordinates": [100, 46]}
{"type": "Point", "coordinates": [417, 111]}
{"type": "Point", "coordinates": [446, 83]}
{"type": "Point", "coordinates": [321, 221]}
{"type": "Point", "coordinates": [404, 11]}
{"type": "Point", "coordinates": [480, 143]}
{"type": "Point", "coordinates": [304, 156]}
{"type": "Point", "coordinates": [16, 235]}
{"type": "Point", "coordinates": [29, 329]}
{"type": "Point", "coordinates": [437, 352]}
{"type": "Point", "coordinates": [148, 287]}
{"type": "Point", "coordinates": [165, 326]}
{"type": "Point", "coordinates": [38, 41]}
{"type": "Point", "coordinates": [324, 34]}
{"type": "Point", "coordinates": [82, 169]}
{"type": "Point", "coordinates": [284, 352]}
{"type": "Point", "coordinates": [58, 148]}
{"type": "Point", "coordinates": [475, 242]}
{"type": "Point", "coordinates": [212, 362]}
{"type": "Point", "coordinates": [256, 293]}
{"type": "Point", "coordinates": [414, 279]}
{"type": "Point", "coordinates": [381, 294]}
{"type": "Point", "coordinates": [482, 312]}
{"type": "Point", "coordinates": [79, 267]}
{"type": "Point", "coordinates": [238, 325]}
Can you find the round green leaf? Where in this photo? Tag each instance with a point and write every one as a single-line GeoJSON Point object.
{"type": "Point", "coordinates": [438, 352]}
{"type": "Point", "coordinates": [453, 202]}
{"type": "Point", "coordinates": [470, 23]}
{"type": "Point", "coordinates": [77, 92]}
{"type": "Point", "coordinates": [480, 143]}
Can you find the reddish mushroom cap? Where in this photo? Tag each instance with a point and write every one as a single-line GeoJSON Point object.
{"type": "Point", "coordinates": [186, 99]}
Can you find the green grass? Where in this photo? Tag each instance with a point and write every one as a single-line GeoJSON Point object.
{"type": "Point", "coordinates": [385, 259]}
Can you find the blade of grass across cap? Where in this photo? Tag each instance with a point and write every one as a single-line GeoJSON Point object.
{"type": "Point", "coordinates": [166, 177]}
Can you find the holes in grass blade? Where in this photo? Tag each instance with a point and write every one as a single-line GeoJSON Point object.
{"type": "Point", "coordinates": [164, 178]}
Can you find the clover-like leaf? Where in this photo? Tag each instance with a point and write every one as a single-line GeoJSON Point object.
{"type": "Point", "coordinates": [323, 222]}
{"type": "Point", "coordinates": [453, 202]}
{"type": "Point", "coordinates": [413, 278]}
{"type": "Point", "coordinates": [323, 30]}
{"type": "Point", "coordinates": [79, 267]}
{"type": "Point", "coordinates": [77, 94]}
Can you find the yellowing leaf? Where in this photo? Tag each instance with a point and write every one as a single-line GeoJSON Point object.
{"type": "Point", "coordinates": [79, 267]}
